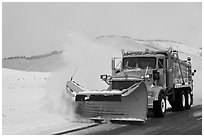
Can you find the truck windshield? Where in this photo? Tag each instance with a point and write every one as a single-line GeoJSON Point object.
{"type": "Point", "coordinates": [139, 62]}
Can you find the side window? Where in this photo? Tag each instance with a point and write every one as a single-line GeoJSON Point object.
{"type": "Point", "coordinates": [161, 63]}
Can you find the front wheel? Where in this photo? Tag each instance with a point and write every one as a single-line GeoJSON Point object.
{"type": "Point", "coordinates": [159, 107]}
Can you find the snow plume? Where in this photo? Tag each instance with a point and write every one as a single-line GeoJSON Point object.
{"type": "Point", "coordinates": [91, 59]}
{"type": "Point", "coordinates": [85, 60]}
{"type": "Point", "coordinates": [57, 100]}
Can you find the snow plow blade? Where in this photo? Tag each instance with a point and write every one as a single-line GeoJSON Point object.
{"type": "Point", "coordinates": [129, 104]}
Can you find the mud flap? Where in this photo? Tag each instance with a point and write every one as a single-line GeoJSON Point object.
{"type": "Point", "coordinates": [130, 105]}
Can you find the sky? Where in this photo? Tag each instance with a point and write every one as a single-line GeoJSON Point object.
{"type": "Point", "coordinates": [37, 28]}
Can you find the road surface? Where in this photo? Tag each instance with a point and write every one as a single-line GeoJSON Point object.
{"type": "Point", "coordinates": [188, 122]}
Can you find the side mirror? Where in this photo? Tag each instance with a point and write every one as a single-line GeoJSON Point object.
{"type": "Point", "coordinates": [104, 77]}
{"type": "Point", "coordinates": [193, 73]}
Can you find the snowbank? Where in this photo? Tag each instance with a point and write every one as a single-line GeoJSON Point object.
{"type": "Point", "coordinates": [23, 107]}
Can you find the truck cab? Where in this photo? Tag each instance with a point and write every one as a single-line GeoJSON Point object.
{"type": "Point", "coordinates": [140, 65]}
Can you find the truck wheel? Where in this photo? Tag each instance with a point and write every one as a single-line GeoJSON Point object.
{"type": "Point", "coordinates": [159, 107]}
{"type": "Point", "coordinates": [188, 101]}
{"type": "Point", "coordinates": [181, 101]}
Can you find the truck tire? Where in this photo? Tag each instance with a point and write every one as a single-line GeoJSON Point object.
{"type": "Point", "coordinates": [191, 99]}
{"type": "Point", "coordinates": [159, 107]}
{"type": "Point", "coordinates": [188, 101]}
{"type": "Point", "coordinates": [179, 102]}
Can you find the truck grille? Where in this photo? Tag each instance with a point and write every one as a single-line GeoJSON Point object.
{"type": "Point", "coordinates": [120, 85]}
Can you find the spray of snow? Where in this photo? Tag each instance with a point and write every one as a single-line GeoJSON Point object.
{"type": "Point", "coordinates": [57, 101]}
{"type": "Point", "coordinates": [86, 59]}
{"type": "Point", "coordinates": [91, 59]}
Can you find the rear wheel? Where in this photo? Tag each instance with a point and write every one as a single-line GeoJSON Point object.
{"type": "Point", "coordinates": [159, 107]}
{"type": "Point", "coordinates": [180, 101]}
{"type": "Point", "coordinates": [188, 101]}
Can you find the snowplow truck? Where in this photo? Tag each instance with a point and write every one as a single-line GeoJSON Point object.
{"type": "Point", "coordinates": [142, 81]}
